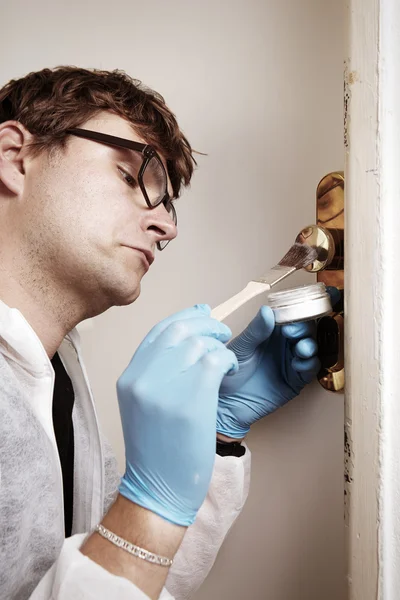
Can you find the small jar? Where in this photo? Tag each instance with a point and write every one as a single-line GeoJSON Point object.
{"type": "Point", "coordinates": [303, 303]}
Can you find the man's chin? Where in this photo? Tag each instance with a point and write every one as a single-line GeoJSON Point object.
{"type": "Point", "coordinates": [127, 297]}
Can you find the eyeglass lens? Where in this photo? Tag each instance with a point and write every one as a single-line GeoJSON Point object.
{"type": "Point", "coordinates": [155, 181]}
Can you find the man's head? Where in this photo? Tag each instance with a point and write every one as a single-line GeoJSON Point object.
{"type": "Point", "coordinates": [71, 209]}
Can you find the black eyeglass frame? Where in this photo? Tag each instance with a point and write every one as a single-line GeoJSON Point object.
{"type": "Point", "coordinates": [148, 153]}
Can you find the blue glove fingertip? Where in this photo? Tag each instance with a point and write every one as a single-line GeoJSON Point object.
{"type": "Point", "coordinates": [226, 330]}
{"type": "Point", "coordinates": [307, 369]}
{"type": "Point", "coordinates": [306, 348]}
{"type": "Point", "coordinates": [223, 333]}
{"type": "Point", "coordinates": [334, 293]}
{"type": "Point", "coordinates": [268, 316]}
{"type": "Point", "coordinates": [296, 331]}
{"type": "Point", "coordinates": [309, 365]}
{"type": "Point", "coordinates": [235, 364]}
{"type": "Point", "coordinates": [232, 371]}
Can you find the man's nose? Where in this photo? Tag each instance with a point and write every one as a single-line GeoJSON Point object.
{"type": "Point", "coordinates": [160, 222]}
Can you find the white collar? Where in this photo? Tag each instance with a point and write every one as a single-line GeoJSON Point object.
{"type": "Point", "coordinates": [22, 343]}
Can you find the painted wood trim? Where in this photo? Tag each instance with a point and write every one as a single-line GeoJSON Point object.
{"type": "Point", "coordinates": [372, 136]}
{"type": "Point", "coordinates": [389, 143]}
{"type": "Point", "coordinates": [363, 300]}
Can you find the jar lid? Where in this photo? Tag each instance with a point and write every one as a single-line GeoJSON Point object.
{"type": "Point", "coordinates": [297, 295]}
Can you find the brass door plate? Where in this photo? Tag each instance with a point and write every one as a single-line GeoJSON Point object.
{"type": "Point", "coordinates": [330, 216]}
{"type": "Point", "coordinates": [327, 238]}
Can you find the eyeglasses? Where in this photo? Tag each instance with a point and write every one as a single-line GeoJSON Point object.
{"type": "Point", "coordinates": [151, 176]}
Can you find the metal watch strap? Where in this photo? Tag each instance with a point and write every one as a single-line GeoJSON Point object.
{"type": "Point", "coordinates": [162, 561]}
{"type": "Point", "coordinates": [230, 448]}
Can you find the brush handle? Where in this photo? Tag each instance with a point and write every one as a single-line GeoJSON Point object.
{"type": "Point", "coordinates": [252, 289]}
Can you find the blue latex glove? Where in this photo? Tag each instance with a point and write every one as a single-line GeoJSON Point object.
{"type": "Point", "coordinates": [168, 398]}
{"type": "Point", "coordinates": [275, 363]}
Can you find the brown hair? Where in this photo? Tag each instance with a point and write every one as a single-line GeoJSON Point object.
{"type": "Point", "coordinates": [50, 101]}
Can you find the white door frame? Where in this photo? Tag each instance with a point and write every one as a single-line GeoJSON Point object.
{"type": "Point", "coordinates": [372, 282]}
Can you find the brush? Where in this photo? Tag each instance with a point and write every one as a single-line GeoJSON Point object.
{"type": "Point", "coordinates": [298, 257]}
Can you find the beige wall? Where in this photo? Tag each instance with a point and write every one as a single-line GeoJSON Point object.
{"type": "Point", "coordinates": [257, 85]}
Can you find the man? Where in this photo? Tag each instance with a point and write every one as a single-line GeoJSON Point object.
{"type": "Point", "coordinates": [90, 165]}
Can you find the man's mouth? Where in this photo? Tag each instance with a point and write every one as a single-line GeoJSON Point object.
{"type": "Point", "coordinates": [146, 254]}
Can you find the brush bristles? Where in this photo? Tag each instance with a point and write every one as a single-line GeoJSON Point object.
{"type": "Point", "coordinates": [299, 256]}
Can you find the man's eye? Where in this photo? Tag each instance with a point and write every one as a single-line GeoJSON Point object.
{"type": "Point", "coordinates": [131, 181]}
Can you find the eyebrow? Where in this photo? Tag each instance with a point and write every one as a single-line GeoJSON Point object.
{"type": "Point", "coordinates": [130, 156]}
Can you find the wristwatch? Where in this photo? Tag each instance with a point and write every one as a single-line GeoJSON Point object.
{"type": "Point", "coordinates": [230, 448]}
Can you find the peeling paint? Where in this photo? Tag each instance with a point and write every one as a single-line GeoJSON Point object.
{"type": "Point", "coordinates": [352, 77]}
{"type": "Point", "coordinates": [348, 469]}
{"type": "Point", "coordinates": [346, 99]}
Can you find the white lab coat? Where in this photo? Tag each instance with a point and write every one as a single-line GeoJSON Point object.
{"type": "Point", "coordinates": [36, 561]}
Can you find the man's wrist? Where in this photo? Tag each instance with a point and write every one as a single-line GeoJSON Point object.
{"type": "Point", "coordinates": [228, 440]}
{"type": "Point", "coordinates": [143, 528]}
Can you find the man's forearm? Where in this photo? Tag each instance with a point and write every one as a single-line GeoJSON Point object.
{"type": "Point", "coordinates": [142, 528]}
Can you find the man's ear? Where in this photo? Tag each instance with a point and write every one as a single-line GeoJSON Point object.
{"type": "Point", "coordinates": [13, 142]}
